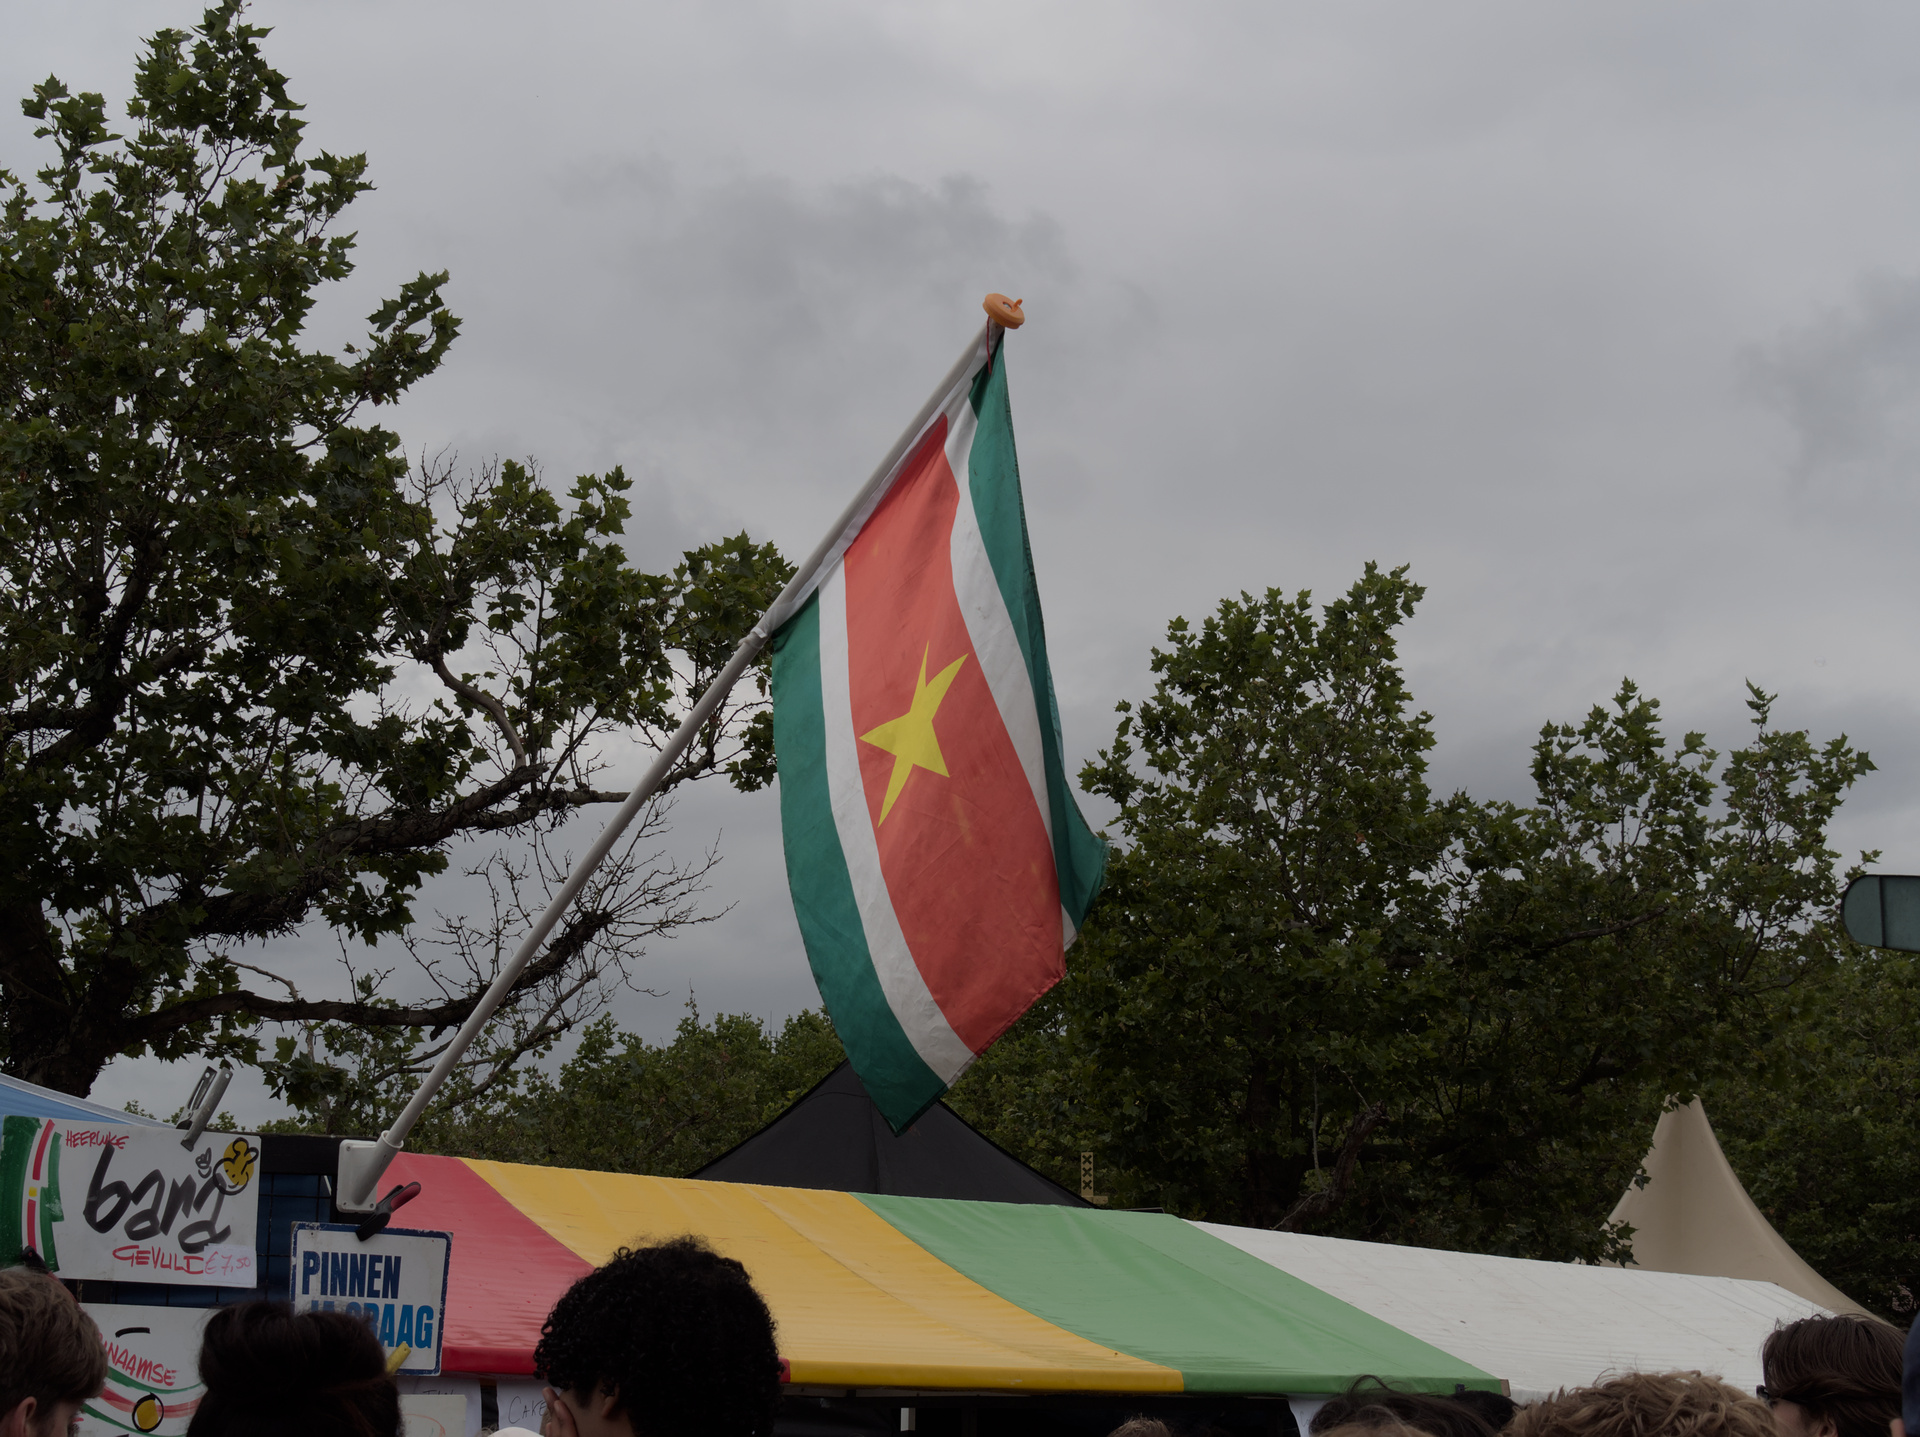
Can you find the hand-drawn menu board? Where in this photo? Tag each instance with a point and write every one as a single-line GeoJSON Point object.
{"type": "Point", "coordinates": [153, 1369]}
{"type": "Point", "coordinates": [102, 1200]}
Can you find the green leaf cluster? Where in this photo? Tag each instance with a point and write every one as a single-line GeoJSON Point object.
{"type": "Point", "coordinates": [1265, 931]}
{"type": "Point", "coordinates": [255, 670]}
{"type": "Point", "coordinates": [1823, 1131]}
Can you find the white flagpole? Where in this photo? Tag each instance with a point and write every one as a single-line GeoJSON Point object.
{"type": "Point", "coordinates": [363, 1163]}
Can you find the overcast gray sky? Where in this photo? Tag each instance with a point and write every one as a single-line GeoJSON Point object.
{"type": "Point", "coordinates": [1606, 319]}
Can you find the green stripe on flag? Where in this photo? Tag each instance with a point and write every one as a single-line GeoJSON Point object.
{"type": "Point", "coordinates": [1162, 1290]}
{"type": "Point", "coordinates": [993, 479]}
{"type": "Point", "coordinates": [895, 1076]}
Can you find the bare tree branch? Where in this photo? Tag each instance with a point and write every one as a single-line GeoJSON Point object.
{"type": "Point", "coordinates": [480, 699]}
{"type": "Point", "coordinates": [1319, 1204]}
{"type": "Point", "coordinates": [637, 895]}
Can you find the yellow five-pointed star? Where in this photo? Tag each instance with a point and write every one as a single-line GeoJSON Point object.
{"type": "Point", "coordinates": [910, 738]}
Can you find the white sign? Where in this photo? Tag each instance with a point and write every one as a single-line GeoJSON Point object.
{"type": "Point", "coordinates": [459, 1385]}
{"type": "Point", "coordinates": [433, 1414]}
{"type": "Point", "coordinates": [153, 1369]}
{"type": "Point", "coordinates": [396, 1282]}
{"type": "Point", "coordinates": [106, 1200]}
{"type": "Point", "coordinates": [521, 1404]}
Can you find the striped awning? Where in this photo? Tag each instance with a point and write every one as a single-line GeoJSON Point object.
{"type": "Point", "coordinates": [917, 1293]}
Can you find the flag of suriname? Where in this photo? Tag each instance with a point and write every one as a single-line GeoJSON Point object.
{"type": "Point", "coordinates": [938, 863]}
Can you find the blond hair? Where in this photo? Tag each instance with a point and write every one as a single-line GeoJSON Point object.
{"type": "Point", "coordinates": [49, 1349]}
{"type": "Point", "coordinates": [1647, 1404]}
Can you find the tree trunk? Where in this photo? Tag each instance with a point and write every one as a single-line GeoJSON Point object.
{"type": "Point", "coordinates": [1318, 1205]}
{"type": "Point", "coordinates": [48, 1042]}
{"type": "Point", "coordinates": [1260, 1197]}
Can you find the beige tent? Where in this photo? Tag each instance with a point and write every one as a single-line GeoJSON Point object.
{"type": "Point", "coordinates": [1693, 1216]}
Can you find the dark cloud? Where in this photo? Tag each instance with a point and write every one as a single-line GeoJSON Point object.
{"type": "Point", "coordinates": [1574, 311]}
{"type": "Point", "coordinates": [1849, 385]}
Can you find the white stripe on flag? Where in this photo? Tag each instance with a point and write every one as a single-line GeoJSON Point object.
{"type": "Point", "coordinates": [990, 627]}
{"type": "Point", "coordinates": [926, 1027]}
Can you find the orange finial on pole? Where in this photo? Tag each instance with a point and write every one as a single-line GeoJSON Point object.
{"type": "Point", "coordinates": [1004, 312]}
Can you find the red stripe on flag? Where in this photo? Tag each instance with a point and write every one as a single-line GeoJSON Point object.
{"type": "Point", "coordinates": [966, 856]}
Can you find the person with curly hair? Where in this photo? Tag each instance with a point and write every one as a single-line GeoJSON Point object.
{"type": "Point", "coordinates": [273, 1372]}
{"type": "Point", "coordinates": [51, 1360]}
{"type": "Point", "coordinates": [1832, 1376]}
{"type": "Point", "coordinates": [662, 1341]}
{"type": "Point", "coordinates": [1647, 1404]}
{"type": "Point", "coordinates": [1496, 1409]}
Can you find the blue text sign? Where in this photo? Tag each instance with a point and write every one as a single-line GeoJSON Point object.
{"type": "Point", "coordinates": [395, 1282]}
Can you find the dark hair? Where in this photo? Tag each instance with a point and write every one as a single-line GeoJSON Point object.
{"type": "Point", "coordinates": [1370, 1403]}
{"type": "Point", "coordinates": [1845, 1369]}
{"type": "Point", "coordinates": [272, 1372]}
{"type": "Point", "coordinates": [676, 1333]}
{"type": "Point", "coordinates": [1496, 1409]}
{"type": "Point", "coordinates": [49, 1349]}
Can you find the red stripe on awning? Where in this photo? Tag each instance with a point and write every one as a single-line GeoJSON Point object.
{"type": "Point", "coordinates": [506, 1273]}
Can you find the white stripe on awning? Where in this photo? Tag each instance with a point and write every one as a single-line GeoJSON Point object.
{"type": "Point", "coordinates": [1540, 1325]}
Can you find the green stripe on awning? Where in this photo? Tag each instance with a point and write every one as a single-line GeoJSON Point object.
{"type": "Point", "coordinates": [1162, 1290]}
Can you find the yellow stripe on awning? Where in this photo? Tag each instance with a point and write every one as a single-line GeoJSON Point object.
{"type": "Point", "coordinates": [858, 1303]}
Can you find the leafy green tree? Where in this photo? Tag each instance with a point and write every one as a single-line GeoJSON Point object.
{"type": "Point", "coordinates": [1315, 997]}
{"type": "Point", "coordinates": [1826, 1135]}
{"type": "Point", "coordinates": [1243, 994]}
{"type": "Point", "coordinates": [1631, 935]}
{"type": "Point", "coordinates": [226, 605]}
{"type": "Point", "coordinates": [622, 1105]}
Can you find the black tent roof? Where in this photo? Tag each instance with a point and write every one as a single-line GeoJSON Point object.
{"type": "Point", "coordinates": [835, 1138]}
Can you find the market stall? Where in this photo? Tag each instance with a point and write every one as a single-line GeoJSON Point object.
{"type": "Point", "coordinates": [900, 1293]}
{"type": "Point", "coordinates": [878, 1296]}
